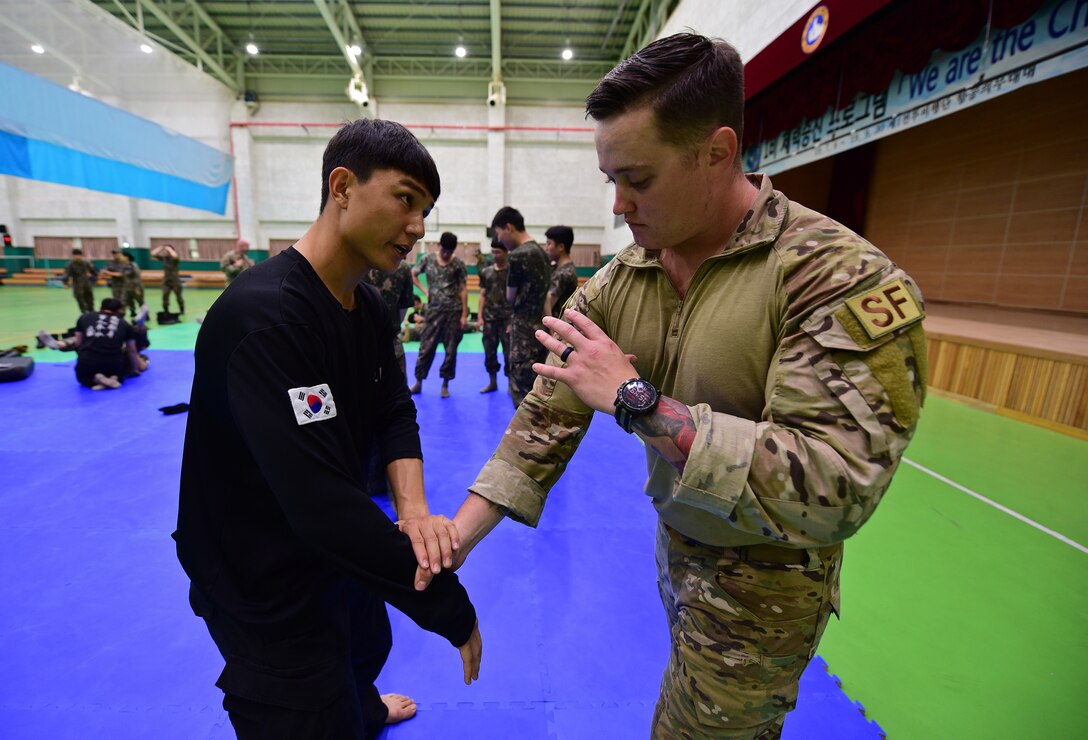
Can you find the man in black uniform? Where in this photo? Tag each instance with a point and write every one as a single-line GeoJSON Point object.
{"type": "Point", "coordinates": [290, 560]}
{"type": "Point", "coordinates": [105, 347]}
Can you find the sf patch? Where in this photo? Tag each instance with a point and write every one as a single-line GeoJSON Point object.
{"type": "Point", "coordinates": [314, 403]}
{"type": "Point", "coordinates": [885, 308]}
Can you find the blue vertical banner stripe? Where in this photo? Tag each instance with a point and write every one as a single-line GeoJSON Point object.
{"type": "Point", "coordinates": [50, 133]}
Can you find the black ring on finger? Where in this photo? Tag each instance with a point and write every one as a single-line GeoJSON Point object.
{"type": "Point", "coordinates": [566, 353]}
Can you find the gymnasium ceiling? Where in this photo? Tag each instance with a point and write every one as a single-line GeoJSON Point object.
{"type": "Point", "coordinates": [405, 49]}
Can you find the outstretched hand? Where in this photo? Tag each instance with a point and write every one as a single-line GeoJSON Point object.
{"type": "Point", "coordinates": [435, 541]}
{"type": "Point", "coordinates": [470, 655]}
{"type": "Point", "coordinates": [595, 369]}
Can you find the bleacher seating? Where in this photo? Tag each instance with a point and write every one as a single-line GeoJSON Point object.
{"type": "Point", "coordinates": [189, 278]}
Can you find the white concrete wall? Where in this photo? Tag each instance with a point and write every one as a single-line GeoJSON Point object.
{"type": "Point", "coordinates": [550, 176]}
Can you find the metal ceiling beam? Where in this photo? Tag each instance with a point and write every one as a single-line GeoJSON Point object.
{"type": "Point", "coordinates": [405, 67]}
{"type": "Point", "coordinates": [342, 24]}
{"type": "Point", "coordinates": [649, 19]}
{"type": "Point", "coordinates": [216, 66]}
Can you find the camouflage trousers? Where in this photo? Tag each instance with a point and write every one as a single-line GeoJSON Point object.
{"type": "Point", "coordinates": [398, 350]}
{"type": "Point", "coordinates": [524, 351]}
{"type": "Point", "coordinates": [117, 289]}
{"type": "Point", "coordinates": [441, 327]}
{"type": "Point", "coordinates": [495, 333]}
{"type": "Point", "coordinates": [742, 633]}
{"type": "Point", "coordinates": [168, 287]}
{"type": "Point", "coordinates": [132, 299]}
{"type": "Point", "coordinates": [84, 295]}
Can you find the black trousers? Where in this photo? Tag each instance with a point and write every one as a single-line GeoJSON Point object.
{"type": "Point", "coordinates": [87, 368]}
{"type": "Point", "coordinates": [317, 683]}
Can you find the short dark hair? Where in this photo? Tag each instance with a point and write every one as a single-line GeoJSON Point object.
{"type": "Point", "coordinates": [112, 305]}
{"type": "Point", "coordinates": [561, 235]}
{"type": "Point", "coordinates": [77, 250]}
{"type": "Point", "coordinates": [447, 241]}
{"type": "Point", "coordinates": [508, 216]}
{"type": "Point", "coordinates": [694, 85]}
{"type": "Point", "coordinates": [366, 145]}
{"type": "Point", "coordinates": [496, 244]}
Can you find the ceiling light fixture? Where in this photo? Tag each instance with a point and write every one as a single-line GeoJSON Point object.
{"type": "Point", "coordinates": [567, 54]}
{"type": "Point", "coordinates": [460, 52]}
{"type": "Point", "coordinates": [355, 50]}
{"type": "Point", "coordinates": [146, 48]}
{"type": "Point", "coordinates": [252, 50]}
{"type": "Point", "coordinates": [357, 91]}
{"type": "Point", "coordinates": [37, 49]}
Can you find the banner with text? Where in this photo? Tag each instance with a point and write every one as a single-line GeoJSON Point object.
{"type": "Point", "coordinates": [1051, 43]}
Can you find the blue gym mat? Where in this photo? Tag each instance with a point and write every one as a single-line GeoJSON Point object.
{"type": "Point", "coordinates": [99, 641]}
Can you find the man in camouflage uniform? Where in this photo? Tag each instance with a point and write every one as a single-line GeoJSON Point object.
{"type": "Point", "coordinates": [114, 270]}
{"type": "Point", "coordinates": [773, 364]}
{"type": "Point", "coordinates": [527, 286]}
{"type": "Point", "coordinates": [447, 311]}
{"type": "Point", "coordinates": [132, 286]}
{"type": "Point", "coordinates": [235, 261]}
{"type": "Point", "coordinates": [564, 277]}
{"type": "Point", "coordinates": [171, 281]}
{"type": "Point", "coordinates": [493, 316]}
{"type": "Point", "coordinates": [81, 274]}
{"type": "Point", "coordinates": [397, 292]}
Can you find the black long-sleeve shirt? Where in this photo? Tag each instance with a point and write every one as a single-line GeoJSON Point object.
{"type": "Point", "coordinates": [290, 392]}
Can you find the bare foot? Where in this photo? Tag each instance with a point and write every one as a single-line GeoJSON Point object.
{"type": "Point", "coordinates": [400, 708]}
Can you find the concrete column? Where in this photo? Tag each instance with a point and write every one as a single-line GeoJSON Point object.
{"type": "Point", "coordinates": [244, 182]}
{"type": "Point", "coordinates": [496, 161]}
{"type": "Point", "coordinates": [9, 209]}
{"type": "Point", "coordinates": [128, 222]}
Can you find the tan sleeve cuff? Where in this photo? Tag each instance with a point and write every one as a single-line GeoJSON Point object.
{"type": "Point", "coordinates": [719, 463]}
{"type": "Point", "coordinates": [503, 484]}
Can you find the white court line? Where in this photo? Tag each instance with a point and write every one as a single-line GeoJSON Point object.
{"type": "Point", "coordinates": [991, 502]}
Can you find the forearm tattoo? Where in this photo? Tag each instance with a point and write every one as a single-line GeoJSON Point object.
{"type": "Point", "coordinates": [670, 430]}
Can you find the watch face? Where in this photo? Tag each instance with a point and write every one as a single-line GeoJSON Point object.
{"type": "Point", "coordinates": [639, 395]}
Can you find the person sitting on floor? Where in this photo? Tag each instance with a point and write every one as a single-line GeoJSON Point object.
{"type": "Point", "coordinates": [105, 345]}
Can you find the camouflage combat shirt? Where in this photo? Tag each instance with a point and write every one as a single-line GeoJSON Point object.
{"type": "Point", "coordinates": [564, 283]}
{"type": "Point", "coordinates": [800, 353]}
{"type": "Point", "coordinates": [528, 271]}
{"type": "Point", "coordinates": [444, 282]}
{"type": "Point", "coordinates": [169, 268]}
{"type": "Point", "coordinates": [80, 272]}
{"type": "Point", "coordinates": [396, 289]}
{"type": "Point", "coordinates": [493, 288]}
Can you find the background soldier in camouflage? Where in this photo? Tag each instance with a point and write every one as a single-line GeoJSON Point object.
{"type": "Point", "coordinates": [397, 292]}
{"type": "Point", "coordinates": [81, 274]}
{"type": "Point", "coordinates": [775, 373]}
{"type": "Point", "coordinates": [447, 311]}
{"type": "Point", "coordinates": [132, 285]}
{"type": "Point", "coordinates": [235, 261]}
{"type": "Point", "coordinates": [527, 285]}
{"type": "Point", "coordinates": [493, 316]}
{"type": "Point", "coordinates": [564, 277]}
{"type": "Point", "coordinates": [114, 270]}
{"type": "Point", "coordinates": [171, 281]}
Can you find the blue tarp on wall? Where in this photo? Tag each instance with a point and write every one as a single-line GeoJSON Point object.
{"type": "Point", "coordinates": [50, 133]}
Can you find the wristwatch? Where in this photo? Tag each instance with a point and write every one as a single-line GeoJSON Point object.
{"type": "Point", "coordinates": [636, 397]}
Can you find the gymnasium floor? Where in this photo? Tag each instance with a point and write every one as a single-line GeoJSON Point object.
{"type": "Point", "coordinates": [960, 619]}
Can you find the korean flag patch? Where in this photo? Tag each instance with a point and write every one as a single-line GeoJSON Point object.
{"type": "Point", "coordinates": [312, 404]}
